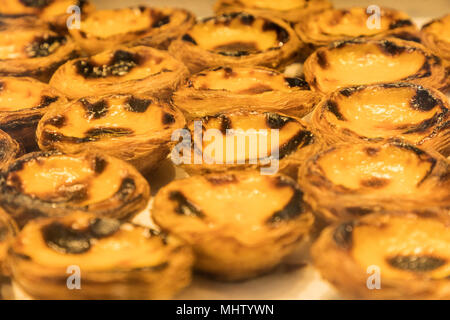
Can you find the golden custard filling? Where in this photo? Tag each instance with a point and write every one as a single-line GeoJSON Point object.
{"type": "Point", "coordinates": [243, 81]}
{"type": "Point", "coordinates": [113, 116]}
{"type": "Point", "coordinates": [387, 169]}
{"type": "Point", "coordinates": [384, 111]}
{"type": "Point", "coordinates": [123, 65]}
{"type": "Point", "coordinates": [365, 64]}
{"type": "Point", "coordinates": [127, 247]}
{"type": "Point", "coordinates": [237, 35]}
{"type": "Point", "coordinates": [65, 178]}
{"type": "Point", "coordinates": [108, 23]}
{"type": "Point", "coordinates": [18, 94]}
{"type": "Point", "coordinates": [281, 5]}
{"type": "Point", "coordinates": [242, 137]}
{"type": "Point", "coordinates": [404, 247]}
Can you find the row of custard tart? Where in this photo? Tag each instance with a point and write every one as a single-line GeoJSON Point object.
{"type": "Point", "coordinates": [149, 264]}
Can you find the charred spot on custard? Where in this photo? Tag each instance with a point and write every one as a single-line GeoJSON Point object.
{"type": "Point", "coordinates": [97, 133]}
{"type": "Point", "coordinates": [57, 121]}
{"type": "Point", "coordinates": [322, 59]}
{"type": "Point", "coordinates": [371, 151]}
{"type": "Point", "coordinates": [303, 138]}
{"type": "Point", "coordinates": [276, 121]}
{"type": "Point", "coordinates": [416, 263]}
{"type": "Point", "coordinates": [188, 38]}
{"type": "Point", "coordinates": [95, 110]}
{"type": "Point", "coordinates": [407, 36]}
{"type": "Point", "coordinates": [296, 82]}
{"type": "Point", "coordinates": [291, 210]}
{"type": "Point", "coordinates": [343, 235]}
{"type": "Point", "coordinates": [400, 23]}
{"type": "Point", "coordinates": [358, 211]}
{"type": "Point", "coordinates": [138, 105]}
{"type": "Point", "coordinates": [126, 189]}
{"type": "Point", "coordinates": [374, 183]}
{"type": "Point", "coordinates": [282, 34]}
{"type": "Point", "coordinates": [391, 48]}
{"type": "Point", "coordinates": [184, 206]}
{"type": "Point", "coordinates": [43, 47]}
{"type": "Point", "coordinates": [423, 100]}
{"type": "Point", "coordinates": [70, 193]}
{"type": "Point", "coordinates": [99, 165]}
{"type": "Point", "coordinates": [103, 227]}
{"type": "Point", "coordinates": [333, 107]}
{"type": "Point", "coordinates": [168, 118]}
{"type": "Point", "coordinates": [237, 48]}
{"type": "Point", "coordinates": [46, 101]}
{"type": "Point", "coordinates": [121, 64]}
{"type": "Point", "coordinates": [36, 3]}
{"type": "Point", "coordinates": [221, 179]}
{"type": "Point", "coordinates": [228, 73]}
{"type": "Point", "coordinates": [65, 239]}
{"type": "Point", "coordinates": [160, 20]}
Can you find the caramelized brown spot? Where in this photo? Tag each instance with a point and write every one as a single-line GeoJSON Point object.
{"type": "Point", "coordinates": [168, 118]}
{"type": "Point", "coordinates": [343, 235]}
{"type": "Point", "coordinates": [57, 121]}
{"type": "Point", "coordinates": [184, 206]}
{"type": "Point", "coordinates": [416, 263]}
{"type": "Point", "coordinates": [256, 89]}
{"type": "Point", "coordinates": [322, 59]}
{"type": "Point", "coordinates": [371, 151]}
{"type": "Point", "coordinates": [222, 179]}
{"type": "Point", "coordinates": [374, 182]}
{"type": "Point", "coordinates": [95, 110]}
{"type": "Point", "coordinates": [99, 165]}
{"type": "Point", "coordinates": [237, 48]}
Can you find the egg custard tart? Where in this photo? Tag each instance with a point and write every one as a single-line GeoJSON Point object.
{"type": "Point", "coordinates": [350, 180]}
{"type": "Point", "coordinates": [243, 139]}
{"type": "Point", "coordinates": [52, 184]}
{"type": "Point", "coordinates": [23, 101]}
{"type": "Point", "coordinates": [343, 24]}
{"type": "Point", "coordinates": [387, 256]}
{"type": "Point", "coordinates": [436, 36]}
{"type": "Point", "coordinates": [29, 50]}
{"type": "Point", "coordinates": [121, 71]}
{"type": "Point", "coordinates": [105, 29]}
{"type": "Point", "coordinates": [9, 149]}
{"type": "Point", "coordinates": [240, 224]}
{"type": "Point", "coordinates": [369, 61]}
{"type": "Point", "coordinates": [133, 128]}
{"type": "Point", "coordinates": [54, 12]}
{"type": "Point", "coordinates": [112, 260]}
{"type": "Point", "coordinates": [8, 231]}
{"type": "Point", "coordinates": [289, 10]}
{"type": "Point", "coordinates": [382, 111]}
{"type": "Point", "coordinates": [224, 88]}
{"type": "Point", "coordinates": [237, 39]}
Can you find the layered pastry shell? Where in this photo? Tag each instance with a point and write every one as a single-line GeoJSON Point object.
{"type": "Point", "coordinates": [223, 88]}
{"type": "Point", "coordinates": [240, 224]}
{"type": "Point", "coordinates": [9, 149]}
